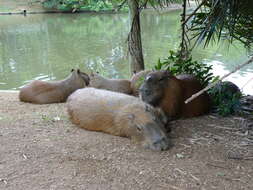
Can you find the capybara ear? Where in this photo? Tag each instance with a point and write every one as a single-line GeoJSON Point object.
{"type": "Point", "coordinates": [78, 71]}
{"type": "Point", "coordinates": [72, 70]}
{"type": "Point", "coordinates": [167, 73]}
{"type": "Point", "coordinates": [148, 78]}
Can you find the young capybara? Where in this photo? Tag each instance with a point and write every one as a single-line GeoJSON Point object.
{"type": "Point", "coordinates": [116, 85]}
{"type": "Point", "coordinates": [118, 114]}
{"type": "Point", "coordinates": [162, 89]}
{"type": "Point", "coordinates": [45, 92]}
{"type": "Point", "coordinates": [137, 80]}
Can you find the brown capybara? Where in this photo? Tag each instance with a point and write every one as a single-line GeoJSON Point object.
{"type": "Point", "coordinates": [118, 114]}
{"type": "Point", "coordinates": [116, 85]}
{"type": "Point", "coordinates": [137, 80]}
{"type": "Point", "coordinates": [162, 89]}
{"type": "Point", "coordinates": [46, 92]}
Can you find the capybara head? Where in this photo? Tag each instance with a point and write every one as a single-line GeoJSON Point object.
{"type": "Point", "coordinates": [84, 76]}
{"type": "Point", "coordinates": [145, 126]}
{"type": "Point", "coordinates": [96, 80]}
{"type": "Point", "coordinates": [152, 90]}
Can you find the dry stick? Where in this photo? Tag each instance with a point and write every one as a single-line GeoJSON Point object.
{"type": "Point", "coordinates": [213, 84]}
{"type": "Point", "coordinates": [247, 83]}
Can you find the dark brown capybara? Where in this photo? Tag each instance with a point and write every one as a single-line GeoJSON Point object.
{"type": "Point", "coordinates": [226, 88]}
{"type": "Point", "coordinates": [116, 85]}
{"type": "Point", "coordinates": [46, 92]}
{"type": "Point", "coordinates": [162, 89]}
{"type": "Point", "coordinates": [118, 114]}
{"type": "Point", "coordinates": [137, 80]}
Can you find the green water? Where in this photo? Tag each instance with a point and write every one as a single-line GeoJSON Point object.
{"type": "Point", "coordinates": [48, 46]}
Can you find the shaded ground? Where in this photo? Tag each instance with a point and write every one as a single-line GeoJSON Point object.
{"type": "Point", "coordinates": [41, 149]}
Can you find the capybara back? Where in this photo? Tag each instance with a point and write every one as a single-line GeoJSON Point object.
{"type": "Point", "coordinates": [45, 92]}
{"type": "Point", "coordinates": [116, 85]}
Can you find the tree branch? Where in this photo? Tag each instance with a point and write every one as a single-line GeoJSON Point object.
{"type": "Point", "coordinates": [121, 5]}
{"type": "Point", "coordinates": [214, 83]}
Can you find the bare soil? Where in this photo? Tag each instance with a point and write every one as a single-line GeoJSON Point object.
{"type": "Point", "coordinates": [41, 149]}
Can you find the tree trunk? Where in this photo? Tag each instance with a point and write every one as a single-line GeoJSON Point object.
{"type": "Point", "coordinates": [134, 38]}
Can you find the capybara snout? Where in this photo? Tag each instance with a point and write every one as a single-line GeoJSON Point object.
{"type": "Point", "coordinates": [160, 145]}
{"type": "Point", "coordinates": [156, 139]}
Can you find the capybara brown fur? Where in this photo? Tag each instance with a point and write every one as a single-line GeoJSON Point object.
{"type": "Point", "coordinates": [116, 85]}
{"type": "Point", "coordinates": [137, 80]}
{"type": "Point", "coordinates": [162, 89]}
{"type": "Point", "coordinates": [46, 92]}
{"type": "Point", "coordinates": [118, 114]}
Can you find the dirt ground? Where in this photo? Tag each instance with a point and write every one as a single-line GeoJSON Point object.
{"type": "Point", "coordinates": [41, 149]}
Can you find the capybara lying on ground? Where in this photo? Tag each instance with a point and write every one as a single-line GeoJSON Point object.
{"type": "Point", "coordinates": [137, 80]}
{"type": "Point", "coordinates": [118, 114]}
{"type": "Point", "coordinates": [116, 85]}
{"type": "Point", "coordinates": [162, 89]}
{"type": "Point", "coordinates": [44, 92]}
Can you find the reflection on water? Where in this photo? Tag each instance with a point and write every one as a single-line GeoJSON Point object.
{"type": "Point", "coordinates": [47, 47]}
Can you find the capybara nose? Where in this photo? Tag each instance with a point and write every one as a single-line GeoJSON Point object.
{"type": "Point", "coordinates": [162, 144]}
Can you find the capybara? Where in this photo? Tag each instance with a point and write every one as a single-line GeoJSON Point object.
{"type": "Point", "coordinates": [118, 114]}
{"type": "Point", "coordinates": [137, 80]}
{"type": "Point", "coordinates": [162, 89]}
{"type": "Point", "coordinates": [226, 88]}
{"type": "Point", "coordinates": [116, 85]}
{"type": "Point", "coordinates": [46, 92]}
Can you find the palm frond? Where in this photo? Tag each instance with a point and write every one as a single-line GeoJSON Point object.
{"type": "Point", "coordinates": [224, 19]}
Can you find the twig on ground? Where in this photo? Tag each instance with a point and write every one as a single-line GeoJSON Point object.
{"type": "Point", "coordinates": [217, 166]}
{"type": "Point", "coordinates": [194, 177]}
{"type": "Point", "coordinates": [4, 181]}
{"type": "Point", "coordinates": [180, 171]}
{"type": "Point", "coordinates": [219, 127]}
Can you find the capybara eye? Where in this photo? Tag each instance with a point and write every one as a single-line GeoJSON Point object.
{"type": "Point", "coordinates": [149, 79]}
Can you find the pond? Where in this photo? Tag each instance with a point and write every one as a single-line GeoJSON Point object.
{"type": "Point", "coordinates": [48, 46]}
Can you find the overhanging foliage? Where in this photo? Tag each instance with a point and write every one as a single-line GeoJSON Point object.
{"type": "Point", "coordinates": [223, 19]}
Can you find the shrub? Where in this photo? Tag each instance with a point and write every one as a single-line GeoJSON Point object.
{"type": "Point", "coordinates": [226, 98]}
{"type": "Point", "coordinates": [77, 5]}
{"type": "Point", "coordinates": [176, 66]}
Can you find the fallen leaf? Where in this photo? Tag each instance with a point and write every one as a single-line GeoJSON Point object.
{"type": "Point", "coordinates": [179, 155]}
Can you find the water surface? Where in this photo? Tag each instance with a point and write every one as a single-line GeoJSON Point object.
{"type": "Point", "coordinates": [48, 46]}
